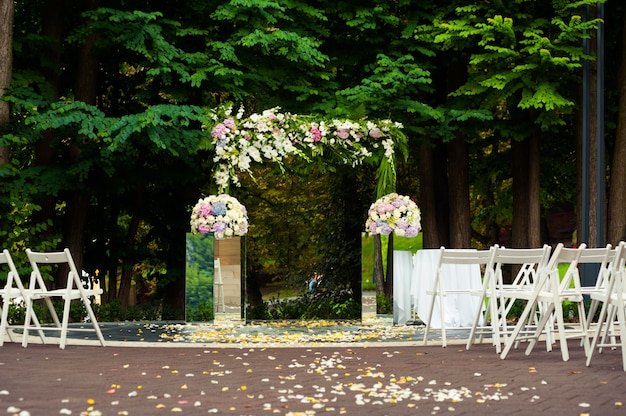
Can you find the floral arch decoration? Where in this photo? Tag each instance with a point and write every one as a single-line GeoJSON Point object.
{"type": "Point", "coordinates": [272, 136]}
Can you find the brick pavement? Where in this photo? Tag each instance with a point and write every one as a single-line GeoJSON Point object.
{"type": "Point", "coordinates": [140, 378]}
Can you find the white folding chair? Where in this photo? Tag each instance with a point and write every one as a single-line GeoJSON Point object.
{"type": "Point", "coordinates": [603, 257]}
{"type": "Point", "coordinates": [74, 290]}
{"type": "Point", "coordinates": [497, 295]}
{"type": "Point", "coordinates": [545, 300]}
{"type": "Point", "coordinates": [613, 312]}
{"type": "Point", "coordinates": [13, 290]}
{"type": "Point", "coordinates": [441, 288]}
{"type": "Point", "coordinates": [572, 289]}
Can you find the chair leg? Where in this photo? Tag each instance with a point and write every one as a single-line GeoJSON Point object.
{"type": "Point", "coordinates": [433, 300]}
{"type": "Point", "coordinates": [473, 332]}
{"type": "Point", "coordinates": [442, 306]}
{"type": "Point", "coordinates": [561, 330]}
{"type": "Point", "coordinates": [598, 332]}
{"type": "Point", "coordinates": [94, 322]}
{"type": "Point", "coordinates": [430, 317]}
{"type": "Point", "coordinates": [4, 324]}
{"type": "Point", "coordinates": [27, 320]}
{"type": "Point", "coordinates": [621, 318]}
{"type": "Point", "coordinates": [66, 317]}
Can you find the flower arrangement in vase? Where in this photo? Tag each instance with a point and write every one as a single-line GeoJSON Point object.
{"type": "Point", "coordinates": [396, 214]}
{"type": "Point", "coordinates": [221, 214]}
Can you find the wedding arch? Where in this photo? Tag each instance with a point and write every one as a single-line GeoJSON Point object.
{"type": "Point", "coordinates": [238, 141]}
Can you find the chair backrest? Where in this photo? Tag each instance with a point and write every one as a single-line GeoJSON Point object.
{"type": "Point", "coordinates": [483, 258]}
{"type": "Point", "coordinates": [529, 260]}
{"type": "Point", "coordinates": [466, 256]}
{"type": "Point", "coordinates": [601, 256]}
{"type": "Point", "coordinates": [12, 275]}
{"type": "Point", "coordinates": [616, 274]}
{"type": "Point", "coordinates": [571, 257]}
{"type": "Point", "coordinates": [46, 258]}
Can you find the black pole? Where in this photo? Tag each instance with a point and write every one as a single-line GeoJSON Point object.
{"type": "Point", "coordinates": [586, 117]}
{"type": "Point", "coordinates": [600, 175]}
{"type": "Point", "coordinates": [589, 273]}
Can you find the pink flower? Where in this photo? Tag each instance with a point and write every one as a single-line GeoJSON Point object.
{"type": "Point", "coordinates": [204, 210]}
{"type": "Point", "coordinates": [229, 122]}
{"type": "Point", "coordinates": [375, 133]}
{"type": "Point", "coordinates": [343, 133]}
{"type": "Point", "coordinates": [385, 207]}
{"type": "Point", "coordinates": [219, 131]}
{"type": "Point", "coordinates": [316, 133]}
{"type": "Point", "coordinates": [203, 228]}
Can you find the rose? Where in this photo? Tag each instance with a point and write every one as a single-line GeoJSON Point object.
{"type": "Point", "coordinates": [316, 133]}
{"type": "Point", "coordinates": [375, 133]}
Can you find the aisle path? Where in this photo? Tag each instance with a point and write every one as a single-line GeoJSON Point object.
{"type": "Point", "coordinates": [271, 369]}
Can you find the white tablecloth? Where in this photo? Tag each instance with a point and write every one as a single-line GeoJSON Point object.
{"type": "Point", "coordinates": [402, 272]}
{"type": "Point", "coordinates": [460, 308]}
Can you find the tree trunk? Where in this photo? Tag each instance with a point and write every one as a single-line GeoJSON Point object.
{"type": "Point", "coordinates": [534, 204]}
{"type": "Point", "coordinates": [352, 229]}
{"type": "Point", "coordinates": [521, 195]}
{"type": "Point", "coordinates": [128, 261]}
{"type": "Point", "coordinates": [442, 202]}
{"type": "Point", "coordinates": [52, 28]}
{"type": "Point", "coordinates": [427, 197]}
{"type": "Point", "coordinates": [434, 196]}
{"type": "Point", "coordinates": [6, 67]}
{"type": "Point", "coordinates": [73, 231]}
{"type": "Point", "coordinates": [78, 202]}
{"type": "Point", "coordinates": [616, 230]}
{"type": "Point", "coordinates": [389, 276]}
{"type": "Point", "coordinates": [458, 185]}
{"type": "Point", "coordinates": [379, 271]}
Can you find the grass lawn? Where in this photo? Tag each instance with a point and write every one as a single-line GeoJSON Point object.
{"type": "Point", "coordinates": [367, 254]}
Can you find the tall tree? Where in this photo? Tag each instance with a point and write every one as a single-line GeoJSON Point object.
{"type": "Point", "coordinates": [522, 63]}
{"type": "Point", "coordinates": [617, 197]}
{"type": "Point", "coordinates": [6, 63]}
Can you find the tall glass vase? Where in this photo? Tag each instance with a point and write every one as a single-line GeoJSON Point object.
{"type": "Point", "coordinates": [229, 278]}
{"type": "Point", "coordinates": [214, 278]}
{"type": "Point", "coordinates": [199, 277]}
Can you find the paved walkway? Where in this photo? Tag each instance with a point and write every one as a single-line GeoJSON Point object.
{"type": "Point", "coordinates": [290, 369]}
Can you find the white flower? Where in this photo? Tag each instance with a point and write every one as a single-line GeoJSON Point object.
{"type": "Point", "coordinates": [274, 135]}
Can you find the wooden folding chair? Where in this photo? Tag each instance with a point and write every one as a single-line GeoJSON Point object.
{"type": "Point", "coordinates": [441, 288]}
{"type": "Point", "coordinates": [13, 290]}
{"type": "Point", "coordinates": [74, 290]}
